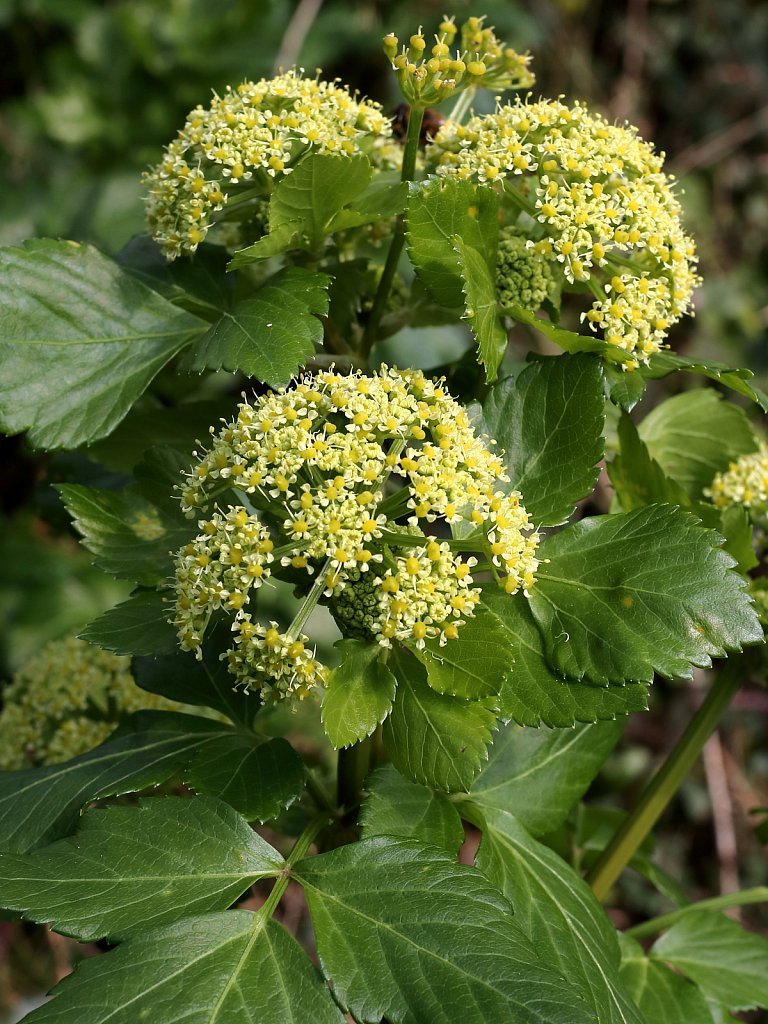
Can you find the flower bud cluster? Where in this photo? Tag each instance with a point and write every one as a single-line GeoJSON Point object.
{"type": "Point", "coordinates": [598, 198]}
{"type": "Point", "coordinates": [65, 701]}
{"type": "Point", "coordinates": [360, 478]}
{"type": "Point", "coordinates": [745, 482]}
{"type": "Point", "coordinates": [479, 59]}
{"type": "Point", "coordinates": [523, 277]}
{"type": "Point", "coordinates": [247, 137]}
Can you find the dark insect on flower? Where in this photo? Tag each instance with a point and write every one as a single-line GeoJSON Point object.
{"type": "Point", "coordinates": [431, 123]}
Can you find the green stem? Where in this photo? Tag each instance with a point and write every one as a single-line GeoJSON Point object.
{"type": "Point", "coordinates": [309, 602]}
{"type": "Point", "coordinates": [354, 763]}
{"type": "Point", "coordinates": [463, 103]}
{"type": "Point", "coordinates": [666, 782]}
{"type": "Point", "coordinates": [299, 851]}
{"type": "Point", "coordinates": [732, 899]}
{"type": "Point", "coordinates": [319, 795]}
{"type": "Point", "coordinates": [398, 239]}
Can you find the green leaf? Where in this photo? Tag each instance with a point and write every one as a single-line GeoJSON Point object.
{"type": "Point", "coordinates": [131, 538]}
{"type": "Point", "coordinates": [359, 693]}
{"type": "Point", "coordinates": [695, 435]}
{"type": "Point", "coordinates": [481, 309]}
{"type": "Point", "coordinates": [271, 335]}
{"type": "Point", "coordinates": [206, 683]}
{"type": "Point", "coordinates": [177, 427]}
{"type": "Point", "coordinates": [132, 868]}
{"type": "Point", "coordinates": [727, 962]}
{"type": "Point", "coordinates": [229, 968]}
{"type": "Point", "coordinates": [198, 283]}
{"type": "Point", "coordinates": [473, 665]}
{"type": "Point", "coordinates": [315, 191]}
{"type": "Point", "coordinates": [81, 342]}
{"type": "Point", "coordinates": [550, 421]}
{"type": "Point", "coordinates": [42, 804]}
{"type": "Point", "coordinates": [532, 692]}
{"type": "Point", "coordinates": [286, 236]}
{"type": "Point", "coordinates": [383, 199]}
{"type": "Point", "coordinates": [539, 774]}
{"type": "Point", "coordinates": [569, 341]}
{"type": "Point", "coordinates": [432, 738]}
{"type": "Point", "coordinates": [136, 626]}
{"type": "Point", "coordinates": [560, 915]}
{"type": "Point", "coordinates": [624, 389]}
{"type": "Point", "coordinates": [404, 932]}
{"type": "Point", "coordinates": [735, 526]}
{"type": "Point", "coordinates": [660, 994]}
{"type": "Point", "coordinates": [259, 779]}
{"type": "Point", "coordinates": [625, 595]}
{"type": "Point", "coordinates": [437, 212]}
{"type": "Point", "coordinates": [396, 806]}
{"type": "Point", "coordinates": [664, 363]}
{"type": "Point", "coordinates": [638, 479]}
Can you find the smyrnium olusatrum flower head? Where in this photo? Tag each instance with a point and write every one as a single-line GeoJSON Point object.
{"type": "Point", "coordinates": [364, 483]}
{"type": "Point", "coordinates": [429, 71]}
{"type": "Point", "coordinates": [745, 483]}
{"type": "Point", "coordinates": [245, 140]}
{"type": "Point", "coordinates": [595, 201]}
{"type": "Point", "coordinates": [66, 700]}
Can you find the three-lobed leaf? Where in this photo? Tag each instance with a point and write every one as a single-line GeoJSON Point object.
{"type": "Point", "coordinates": [404, 932]}
{"type": "Point", "coordinates": [234, 967]}
{"type": "Point", "coordinates": [549, 421]}
{"type": "Point", "coordinates": [81, 341]}
{"type": "Point", "coordinates": [132, 868]}
{"type": "Point", "coordinates": [625, 595]}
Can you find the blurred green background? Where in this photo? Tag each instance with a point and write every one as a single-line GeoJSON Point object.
{"type": "Point", "coordinates": [91, 91]}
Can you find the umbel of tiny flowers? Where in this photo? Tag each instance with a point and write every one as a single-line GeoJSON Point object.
{"type": "Point", "coordinates": [231, 152]}
{"type": "Point", "coordinates": [66, 700]}
{"type": "Point", "coordinates": [476, 58]}
{"type": "Point", "coordinates": [744, 483]}
{"type": "Point", "coordinates": [592, 199]}
{"type": "Point", "coordinates": [362, 485]}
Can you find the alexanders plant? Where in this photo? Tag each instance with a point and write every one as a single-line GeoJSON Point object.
{"type": "Point", "coordinates": [492, 637]}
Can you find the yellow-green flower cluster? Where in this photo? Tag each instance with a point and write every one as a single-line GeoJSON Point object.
{"type": "Point", "coordinates": [604, 208]}
{"type": "Point", "coordinates": [65, 701]}
{"type": "Point", "coordinates": [249, 136]}
{"type": "Point", "coordinates": [745, 482]}
{"type": "Point", "coordinates": [478, 59]}
{"type": "Point", "coordinates": [523, 276]}
{"type": "Point", "coordinates": [360, 478]}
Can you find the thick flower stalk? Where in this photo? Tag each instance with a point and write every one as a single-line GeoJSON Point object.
{"type": "Point", "coordinates": [593, 201]}
{"type": "Point", "coordinates": [245, 139]}
{"type": "Point", "coordinates": [428, 73]}
{"type": "Point", "coordinates": [745, 483]}
{"type": "Point", "coordinates": [364, 484]}
{"type": "Point", "coordinates": [65, 701]}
